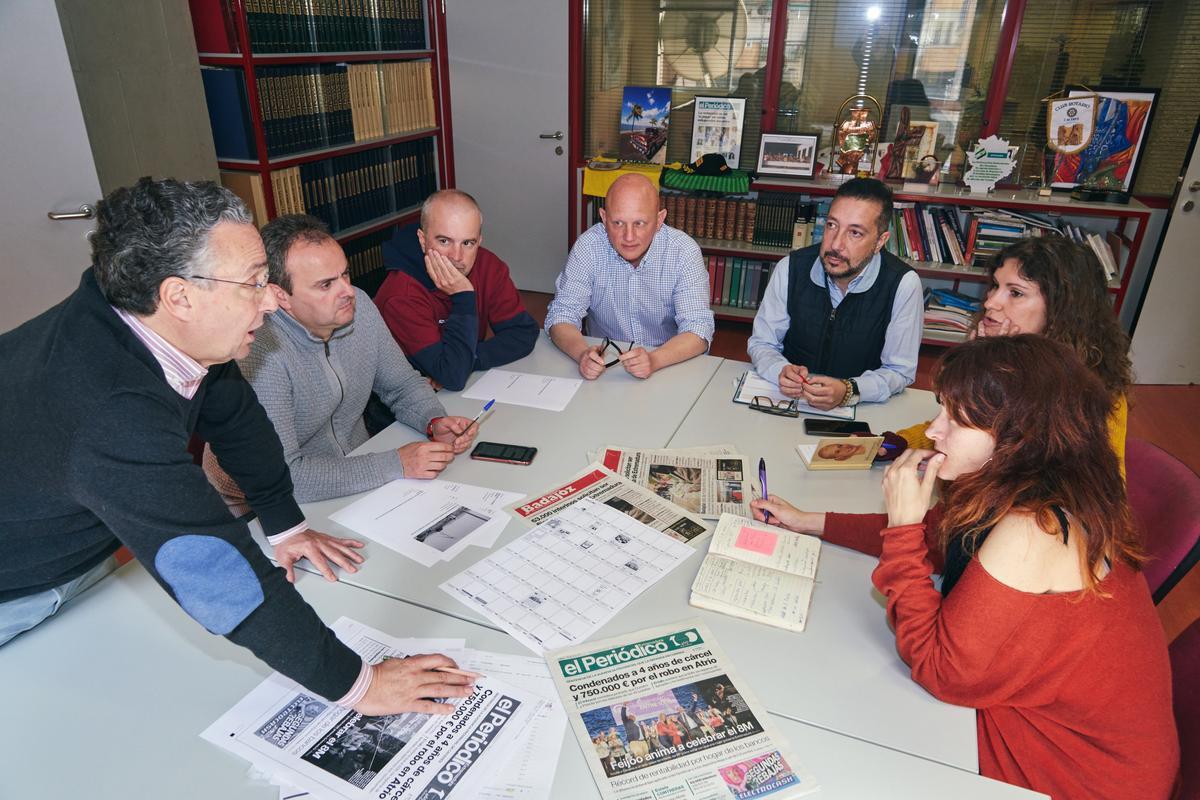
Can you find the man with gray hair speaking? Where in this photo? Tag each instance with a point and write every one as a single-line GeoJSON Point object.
{"type": "Point", "coordinates": [102, 393]}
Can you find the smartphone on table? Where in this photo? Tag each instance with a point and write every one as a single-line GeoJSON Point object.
{"type": "Point", "coordinates": [503, 453]}
{"type": "Point", "coordinates": [836, 427]}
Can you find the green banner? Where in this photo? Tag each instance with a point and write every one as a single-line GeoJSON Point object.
{"type": "Point", "coordinates": [575, 666]}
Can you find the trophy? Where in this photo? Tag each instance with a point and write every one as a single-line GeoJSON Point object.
{"type": "Point", "coordinates": [855, 136]}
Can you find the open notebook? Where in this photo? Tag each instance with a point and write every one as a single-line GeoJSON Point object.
{"type": "Point", "coordinates": [758, 572]}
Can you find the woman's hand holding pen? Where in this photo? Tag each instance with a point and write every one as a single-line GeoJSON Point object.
{"type": "Point", "coordinates": [786, 515]}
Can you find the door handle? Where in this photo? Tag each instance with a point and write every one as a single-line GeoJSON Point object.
{"type": "Point", "coordinates": [85, 212]}
{"type": "Point", "coordinates": [556, 135]}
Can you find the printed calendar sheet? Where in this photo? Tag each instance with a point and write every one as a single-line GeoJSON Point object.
{"type": "Point", "coordinates": [562, 581]}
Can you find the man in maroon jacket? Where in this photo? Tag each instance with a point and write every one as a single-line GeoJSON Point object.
{"type": "Point", "coordinates": [444, 291]}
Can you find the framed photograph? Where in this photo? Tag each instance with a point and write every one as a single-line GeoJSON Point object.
{"type": "Point", "coordinates": [1110, 159]}
{"type": "Point", "coordinates": [788, 155]}
{"type": "Point", "coordinates": [717, 128]}
{"type": "Point", "coordinates": [645, 121]}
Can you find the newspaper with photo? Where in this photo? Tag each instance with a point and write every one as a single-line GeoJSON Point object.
{"type": "Point", "coordinates": [707, 484]}
{"type": "Point", "coordinates": [528, 772]}
{"type": "Point", "coordinates": [605, 486]}
{"type": "Point", "coordinates": [333, 751]}
{"type": "Point", "coordinates": [662, 713]}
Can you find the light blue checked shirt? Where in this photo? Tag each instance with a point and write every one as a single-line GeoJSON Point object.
{"type": "Point", "coordinates": [665, 295]}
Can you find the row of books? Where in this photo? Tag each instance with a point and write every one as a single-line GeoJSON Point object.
{"type": "Point", "coordinates": [353, 189]}
{"type": "Point", "coordinates": [727, 219]}
{"type": "Point", "coordinates": [1107, 249]}
{"type": "Point", "coordinates": [391, 98]}
{"type": "Point", "coordinates": [923, 232]}
{"type": "Point", "coordinates": [320, 105]}
{"type": "Point", "coordinates": [737, 282]}
{"type": "Point", "coordinates": [335, 26]}
{"type": "Point", "coordinates": [783, 215]}
{"type": "Point", "coordinates": [949, 314]}
{"type": "Point", "coordinates": [365, 259]}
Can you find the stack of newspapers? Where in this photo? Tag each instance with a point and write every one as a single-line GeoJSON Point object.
{"type": "Point", "coordinates": [498, 742]}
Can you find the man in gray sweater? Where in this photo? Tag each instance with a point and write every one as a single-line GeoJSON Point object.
{"type": "Point", "coordinates": [314, 364]}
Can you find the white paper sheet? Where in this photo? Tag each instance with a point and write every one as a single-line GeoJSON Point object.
{"type": "Point", "coordinates": [524, 389]}
{"type": "Point", "coordinates": [563, 580]}
{"type": "Point", "coordinates": [429, 521]}
{"type": "Point", "coordinates": [755, 385]}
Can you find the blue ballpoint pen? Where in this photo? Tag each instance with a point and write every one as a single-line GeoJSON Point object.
{"type": "Point", "coordinates": [487, 406]}
{"type": "Point", "coordinates": [762, 482]}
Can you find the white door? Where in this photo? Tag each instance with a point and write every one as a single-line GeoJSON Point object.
{"type": "Point", "coordinates": [508, 87]}
{"type": "Point", "coordinates": [46, 164]}
{"type": "Point", "coordinates": [1166, 334]}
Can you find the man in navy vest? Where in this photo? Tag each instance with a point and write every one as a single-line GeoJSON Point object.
{"type": "Point", "coordinates": [841, 320]}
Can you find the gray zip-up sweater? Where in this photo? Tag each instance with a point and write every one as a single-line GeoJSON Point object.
{"type": "Point", "coordinates": [314, 393]}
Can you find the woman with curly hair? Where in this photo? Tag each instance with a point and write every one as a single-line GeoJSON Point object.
{"type": "Point", "coordinates": [1043, 622]}
{"type": "Point", "coordinates": [1054, 287]}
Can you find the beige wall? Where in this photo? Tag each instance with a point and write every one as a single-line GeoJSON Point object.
{"type": "Point", "coordinates": [138, 77]}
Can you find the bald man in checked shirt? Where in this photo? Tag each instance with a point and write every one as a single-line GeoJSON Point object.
{"type": "Point", "coordinates": [636, 280]}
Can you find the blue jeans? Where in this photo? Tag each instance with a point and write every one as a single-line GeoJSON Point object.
{"type": "Point", "coordinates": [24, 613]}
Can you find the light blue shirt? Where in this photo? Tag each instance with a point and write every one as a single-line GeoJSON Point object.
{"type": "Point", "coordinates": [666, 294]}
{"type": "Point", "coordinates": [901, 343]}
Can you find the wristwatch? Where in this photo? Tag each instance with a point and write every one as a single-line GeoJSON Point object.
{"type": "Point", "coordinates": [851, 397]}
{"type": "Point", "coordinates": [429, 428]}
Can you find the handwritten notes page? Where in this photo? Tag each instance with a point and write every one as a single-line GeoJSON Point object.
{"type": "Point", "coordinates": [758, 572]}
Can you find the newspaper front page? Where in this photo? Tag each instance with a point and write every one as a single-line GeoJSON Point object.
{"type": "Point", "coordinates": [605, 486]}
{"type": "Point", "coordinates": [707, 484]}
{"type": "Point", "coordinates": [660, 713]}
{"type": "Point", "coordinates": [333, 751]}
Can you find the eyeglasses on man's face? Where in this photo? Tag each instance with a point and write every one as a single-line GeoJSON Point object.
{"type": "Point", "coordinates": [609, 343]}
{"type": "Point", "coordinates": [781, 408]}
{"type": "Point", "coordinates": [259, 286]}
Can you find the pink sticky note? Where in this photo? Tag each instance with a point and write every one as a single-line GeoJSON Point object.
{"type": "Point", "coordinates": [757, 541]}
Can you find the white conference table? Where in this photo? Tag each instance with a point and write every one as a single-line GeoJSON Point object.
{"type": "Point", "coordinates": [614, 409]}
{"type": "Point", "coordinates": [107, 701]}
{"type": "Point", "coordinates": [841, 674]}
{"type": "Point", "coordinates": [848, 677]}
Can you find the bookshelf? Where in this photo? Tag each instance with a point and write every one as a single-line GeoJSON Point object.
{"type": "Point", "coordinates": [337, 110]}
{"type": "Point", "coordinates": [1124, 228]}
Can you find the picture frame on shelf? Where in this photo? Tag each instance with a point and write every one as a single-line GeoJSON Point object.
{"type": "Point", "coordinates": [788, 155]}
{"type": "Point", "coordinates": [717, 128]}
{"type": "Point", "coordinates": [1111, 159]}
{"type": "Point", "coordinates": [645, 124]}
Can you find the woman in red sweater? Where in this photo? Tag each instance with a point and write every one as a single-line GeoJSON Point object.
{"type": "Point", "coordinates": [1043, 622]}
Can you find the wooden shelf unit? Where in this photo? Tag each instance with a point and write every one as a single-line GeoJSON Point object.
{"type": "Point", "coordinates": [1134, 214]}
{"type": "Point", "coordinates": [231, 15]}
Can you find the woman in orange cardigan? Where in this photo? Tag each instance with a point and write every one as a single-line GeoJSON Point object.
{"type": "Point", "coordinates": [1042, 622]}
{"type": "Point", "coordinates": [1055, 287]}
